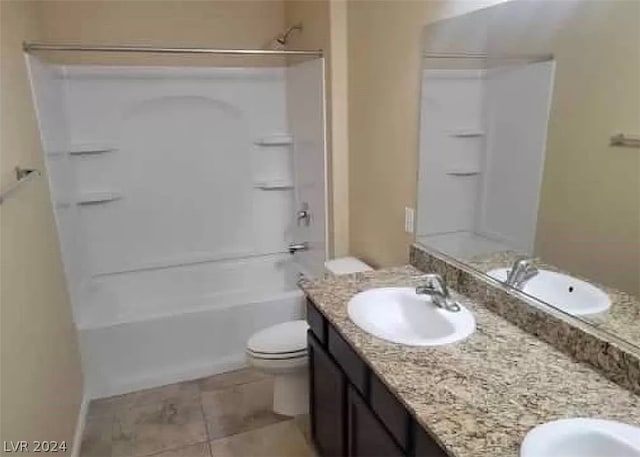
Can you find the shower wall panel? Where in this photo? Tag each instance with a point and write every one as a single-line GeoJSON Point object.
{"type": "Point", "coordinates": [306, 109]}
{"type": "Point", "coordinates": [184, 162]}
{"type": "Point", "coordinates": [518, 106]}
{"type": "Point", "coordinates": [168, 177]}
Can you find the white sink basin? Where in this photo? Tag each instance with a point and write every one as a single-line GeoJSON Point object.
{"type": "Point", "coordinates": [571, 295]}
{"type": "Point", "coordinates": [582, 438]}
{"type": "Point", "coordinates": [399, 315]}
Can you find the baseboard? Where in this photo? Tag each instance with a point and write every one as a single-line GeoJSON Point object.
{"type": "Point", "coordinates": [80, 424]}
{"type": "Point", "coordinates": [178, 374]}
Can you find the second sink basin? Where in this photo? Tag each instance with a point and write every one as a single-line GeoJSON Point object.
{"type": "Point", "coordinates": [582, 437]}
{"type": "Point", "coordinates": [566, 293]}
{"type": "Point", "coordinates": [399, 315]}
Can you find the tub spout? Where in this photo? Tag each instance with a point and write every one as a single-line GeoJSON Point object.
{"type": "Point", "coordinates": [295, 247]}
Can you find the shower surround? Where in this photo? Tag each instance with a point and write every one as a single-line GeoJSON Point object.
{"type": "Point", "coordinates": [174, 190]}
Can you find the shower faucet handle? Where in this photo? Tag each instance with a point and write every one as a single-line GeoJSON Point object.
{"type": "Point", "coordinates": [303, 214]}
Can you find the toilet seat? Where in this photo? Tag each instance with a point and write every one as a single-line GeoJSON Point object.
{"type": "Point", "coordinates": [287, 340]}
{"type": "Point", "coordinates": [278, 366]}
{"type": "Point", "coordinates": [280, 356]}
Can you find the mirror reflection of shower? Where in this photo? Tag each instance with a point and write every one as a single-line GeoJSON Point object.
{"type": "Point", "coordinates": [280, 41]}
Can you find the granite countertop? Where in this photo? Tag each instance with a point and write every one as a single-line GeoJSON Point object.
{"type": "Point", "coordinates": [480, 396]}
{"type": "Point", "coordinates": [620, 320]}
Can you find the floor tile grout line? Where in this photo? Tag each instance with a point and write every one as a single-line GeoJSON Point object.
{"type": "Point", "coordinates": [235, 385]}
{"type": "Point", "coordinates": [175, 449]}
{"type": "Point", "coordinates": [205, 421]}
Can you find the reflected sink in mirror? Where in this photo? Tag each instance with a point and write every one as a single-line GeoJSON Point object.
{"type": "Point", "coordinates": [571, 295]}
{"type": "Point", "coordinates": [399, 315]}
{"type": "Point", "coordinates": [582, 438]}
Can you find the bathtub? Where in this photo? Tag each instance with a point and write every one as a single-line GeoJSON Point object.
{"type": "Point", "coordinates": [163, 325]}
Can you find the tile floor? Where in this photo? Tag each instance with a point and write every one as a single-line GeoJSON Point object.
{"type": "Point", "coordinates": [227, 415]}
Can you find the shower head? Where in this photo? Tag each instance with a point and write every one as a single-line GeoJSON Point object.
{"type": "Point", "coordinates": [280, 41]}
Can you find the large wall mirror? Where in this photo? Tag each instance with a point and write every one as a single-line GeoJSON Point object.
{"type": "Point", "coordinates": [529, 160]}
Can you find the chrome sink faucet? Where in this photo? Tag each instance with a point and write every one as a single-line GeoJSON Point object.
{"type": "Point", "coordinates": [436, 287]}
{"type": "Point", "coordinates": [521, 271]}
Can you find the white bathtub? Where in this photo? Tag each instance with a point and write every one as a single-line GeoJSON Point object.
{"type": "Point", "coordinates": [179, 335]}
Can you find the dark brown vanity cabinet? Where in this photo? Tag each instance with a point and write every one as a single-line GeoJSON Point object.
{"type": "Point", "coordinates": [367, 437]}
{"type": "Point", "coordinates": [328, 401]}
{"type": "Point", "coordinates": [353, 413]}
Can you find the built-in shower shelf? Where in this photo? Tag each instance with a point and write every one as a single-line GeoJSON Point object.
{"type": "Point", "coordinates": [97, 197]}
{"type": "Point", "coordinates": [466, 133]}
{"type": "Point", "coordinates": [90, 149]}
{"type": "Point", "coordinates": [460, 173]}
{"type": "Point", "coordinates": [273, 185]}
{"type": "Point", "coordinates": [275, 140]}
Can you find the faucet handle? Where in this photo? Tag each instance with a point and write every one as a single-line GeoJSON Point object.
{"type": "Point", "coordinates": [436, 282]}
{"type": "Point", "coordinates": [303, 214]}
{"type": "Point", "coordinates": [436, 286]}
{"type": "Point", "coordinates": [522, 269]}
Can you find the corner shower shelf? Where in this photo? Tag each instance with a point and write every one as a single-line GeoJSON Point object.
{"type": "Point", "coordinates": [93, 198]}
{"type": "Point", "coordinates": [462, 172]}
{"type": "Point", "coordinates": [275, 140]}
{"type": "Point", "coordinates": [273, 185]}
{"type": "Point", "coordinates": [89, 149]}
{"type": "Point", "coordinates": [466, 133]}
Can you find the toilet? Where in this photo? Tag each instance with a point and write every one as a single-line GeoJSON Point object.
{"type": "Point", "coordinates": [281, 351]}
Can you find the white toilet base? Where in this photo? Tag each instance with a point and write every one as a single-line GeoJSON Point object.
{"type": "Point", "coordinates": [290, 383]}
{"type": "Point", "coordinates": [291, 393]}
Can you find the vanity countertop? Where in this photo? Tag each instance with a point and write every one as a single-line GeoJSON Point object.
{"type": "Point", "coordinates": [480, 396]}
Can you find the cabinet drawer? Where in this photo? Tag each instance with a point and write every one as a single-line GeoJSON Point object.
{"type": "Point", "coordinates": [317, 322]}
{"type": "Point", "coordinates": [425, 445]}
{"type": "Point", "coordinates": [349, 360]}
{"type": "Point", "coordinates": [390, 411]}
{"type": "Point", "coordinates": [367, 436]}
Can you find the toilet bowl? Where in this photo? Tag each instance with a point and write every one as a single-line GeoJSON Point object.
{"type": "Point", "coordinates": [281, 350]}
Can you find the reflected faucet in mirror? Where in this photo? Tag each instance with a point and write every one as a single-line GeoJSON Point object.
{"type": "Point", "coordinates": [521, 271]}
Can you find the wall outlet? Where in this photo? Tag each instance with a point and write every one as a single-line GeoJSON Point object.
{"type": "Point", "coordinates": [409, 217]}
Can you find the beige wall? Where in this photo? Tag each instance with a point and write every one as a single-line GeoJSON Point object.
{"type": "Point", "coordinates": [340, 125]}
{"type": "Point", "coordinates": [41, 379]}
{"type": "Point", "coordinates": [325, 27]}
{"type": "Point", "coordinates": [384, 66]}
{"type": "Point", "coordinates": [206, 23]}
{"type": "Point", "coordinates": [589, 218]}
{"type": "Point", "coordinates": [220, 23]}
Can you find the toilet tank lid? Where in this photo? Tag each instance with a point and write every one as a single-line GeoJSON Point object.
{"type": "Point", "coordinates": [280, 338]}
{"type": "Point", "coordinates": [346, 265]}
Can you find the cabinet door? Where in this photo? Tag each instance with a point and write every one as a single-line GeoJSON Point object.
{"type": "Point", "coordinates": [425, 445]}
{"type": "Point", "coordinates": [367, 436]}
{"type": "Point", "coordinates": [328, 402]}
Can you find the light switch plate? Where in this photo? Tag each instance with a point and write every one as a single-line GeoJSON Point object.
{"type": "Point", "coordinates": [409, 217]}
